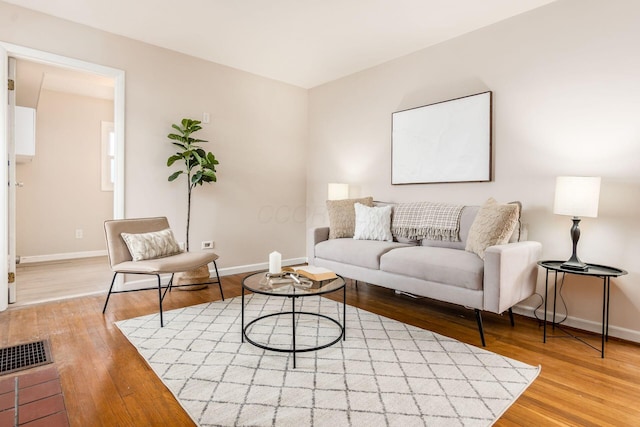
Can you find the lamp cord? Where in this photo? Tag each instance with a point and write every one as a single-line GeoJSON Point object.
{"type": "Point", "coordinates": [564, 304]}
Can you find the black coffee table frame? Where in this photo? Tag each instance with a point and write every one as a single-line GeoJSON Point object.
{"type": "Point", "coordinates": [296, 293]}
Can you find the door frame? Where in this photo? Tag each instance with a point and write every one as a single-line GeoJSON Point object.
{"type": "Point", "coordinates": [34, 55]}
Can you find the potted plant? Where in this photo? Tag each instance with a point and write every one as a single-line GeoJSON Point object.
{"type": "Point", "coordinates": [199, 166]}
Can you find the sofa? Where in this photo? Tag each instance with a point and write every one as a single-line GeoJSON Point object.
{"type": "Point", "coordinates": [492, 276]}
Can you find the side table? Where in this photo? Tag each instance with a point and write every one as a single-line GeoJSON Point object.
{"type": "Point", "coordinates": [593, 270]}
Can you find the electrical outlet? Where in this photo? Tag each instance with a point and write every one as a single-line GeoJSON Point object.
{"type": "Point", "coordinates": [181, 245]}
{"type": "Point", "coordinates": [207, 244]}
{"type": "Point", "coordinates": [79, 233]}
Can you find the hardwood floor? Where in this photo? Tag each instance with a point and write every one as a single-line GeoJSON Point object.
{"type": "Point", "coordinates": [105, 381]}
{"type": "Point", "coordinates": [53, 280]}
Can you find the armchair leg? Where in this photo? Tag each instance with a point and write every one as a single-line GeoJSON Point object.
{"type": "Point", "coordinates": [218, 277]}
{"type": "Point", "coordinates": [161, 297]}
{"type": "Point", "coordinates": [480, 328]}
{"type": "Point", "coordinates": [161, 294]}
{"type": "Point", "coordinates": [513, 323]}
{"type": "Point", "coordinates": [109, 294]}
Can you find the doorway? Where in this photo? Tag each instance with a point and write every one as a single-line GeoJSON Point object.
{"type": "Point", "coordinates": [65, 259]}
{"type": "Point", "coordinates": [67, 140]}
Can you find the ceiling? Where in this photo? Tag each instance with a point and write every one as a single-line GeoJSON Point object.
{"type": "Point", "coordinates": [302, 42]}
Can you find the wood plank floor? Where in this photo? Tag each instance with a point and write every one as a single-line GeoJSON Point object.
{"type": "Point", "coordinates": [53, 280]}
{"type": "Point", "coordinates": [105, 382]}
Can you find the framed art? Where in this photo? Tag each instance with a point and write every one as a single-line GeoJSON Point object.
{"type": "Point", "coordinates": [449, 141]}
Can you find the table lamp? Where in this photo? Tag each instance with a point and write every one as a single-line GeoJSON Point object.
{"type": "Point", "coordinates": [576, 196]}
{"type": "Point", "coordinates": [337, 191]}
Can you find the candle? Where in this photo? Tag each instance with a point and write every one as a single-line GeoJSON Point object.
{"type": "Point", "coordinates": [275, 263]}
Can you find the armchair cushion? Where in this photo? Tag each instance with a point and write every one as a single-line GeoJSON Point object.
{"type": "Point", "coordinates": [184, 261]}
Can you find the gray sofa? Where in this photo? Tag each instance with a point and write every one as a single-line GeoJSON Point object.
{"type": "Point", "coordinates": [440, 270]}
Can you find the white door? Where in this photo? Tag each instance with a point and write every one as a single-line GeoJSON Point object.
{"type": "Point", "coordinates": [11, 161]}
{"type": "Point", "coordinates": [4, 171]}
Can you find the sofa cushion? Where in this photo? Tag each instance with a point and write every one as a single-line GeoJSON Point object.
{"type": "Point", "coordinates": [362, 253]}
{"type": "Point", "coordinates": [342, 216]}
{"type": "Point", "coordinates": [442, 265]}
{"type": "Point", "coordinates": [493, 225]}
{"type": "Point", "coordinates": [372, 223]}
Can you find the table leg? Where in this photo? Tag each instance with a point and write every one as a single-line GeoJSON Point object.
{"type": "Point", "coordinates": [544, 324]}
{"type": "Point", "coordinates": [555, 297]}
{"type": "Point", "coordinates": [605, 311]}
{"type": "Point", "coordinates": [293, 323]}
{"type": "Point", "coordinates": [344, 313]}
{"type": "Point", "coordinates": [606, 335]}
{"type": "Point", "coordinates": [242, 321]}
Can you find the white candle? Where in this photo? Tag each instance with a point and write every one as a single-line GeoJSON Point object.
{"type": "Point", "coordinates": [275, 263]}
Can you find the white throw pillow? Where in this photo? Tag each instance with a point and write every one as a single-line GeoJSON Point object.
{"type": "Point", "coordinates": [156, 244]}
{"type": "Point", "coordinates": [373, 223]}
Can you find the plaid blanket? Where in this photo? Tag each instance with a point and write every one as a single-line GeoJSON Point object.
{"type": "Point", "coordinates": [434, 221]}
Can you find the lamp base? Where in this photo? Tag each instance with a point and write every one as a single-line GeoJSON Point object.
{"type": "Point", "coordinates": [575, 265]}
{"type": "Point", "coordinates": [574, 262]}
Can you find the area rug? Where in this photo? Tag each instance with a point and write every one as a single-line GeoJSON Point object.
{"type": "Point", "coordinates": [384, 373]}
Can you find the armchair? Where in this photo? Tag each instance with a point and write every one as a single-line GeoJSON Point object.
{"type": "Point", "coordinates": [122, 261]}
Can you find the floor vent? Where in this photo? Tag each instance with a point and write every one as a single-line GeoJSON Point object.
{"type": "Point", "coordinates": [24, 356]}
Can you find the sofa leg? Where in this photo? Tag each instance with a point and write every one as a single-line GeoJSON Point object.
{"type": "Point", "coordinates": [513, 323]}
{"type": "Point", "coordinates": [480, 328]}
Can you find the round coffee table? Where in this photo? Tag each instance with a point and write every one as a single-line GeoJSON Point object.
{"type": "Point", "coordinates": [259, 283]}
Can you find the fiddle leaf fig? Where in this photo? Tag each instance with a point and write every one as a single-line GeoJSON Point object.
{"type": "Point", "coordinates": [199, 165]}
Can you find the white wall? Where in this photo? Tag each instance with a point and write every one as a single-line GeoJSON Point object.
{"type": "Point", "coordinates": [565, 84]}
{"type": "Point", "coordinates": [258, 127]}
{"type": "Point", "coordinates": [565, 88]}
{"type": "Point", "coordinates": [62, 183]}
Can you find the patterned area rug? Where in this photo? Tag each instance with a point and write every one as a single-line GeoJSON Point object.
{"type": "Point", "coordinates": [384, 373]}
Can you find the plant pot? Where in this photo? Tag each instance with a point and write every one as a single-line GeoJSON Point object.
{"type": "Point", "coordinates": [193, 280]}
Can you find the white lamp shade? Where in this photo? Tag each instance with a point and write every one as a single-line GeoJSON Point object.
{"type": "Point", "coordinates": [337, 191]}
{"type": "Point", "coordinates": [577, 196]}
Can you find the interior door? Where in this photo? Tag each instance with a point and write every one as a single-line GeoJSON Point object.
{"type": "Point", "coordinates": [11, 188]}
{"type": "Point", "coordinates": [4, 171]}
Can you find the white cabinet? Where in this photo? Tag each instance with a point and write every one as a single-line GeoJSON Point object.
{"type": "Point", "coordinates": [25, 134]}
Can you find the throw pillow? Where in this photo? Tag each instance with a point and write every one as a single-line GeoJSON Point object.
{"type": "Point", "coordinates": [342, 216]}
{"type": "Point", "coordinates": [517, 231]}
{"type": "Point", "coordinates": [372, 223]}
{"type": "Point", "coordinates": [156, 244]}
{"type": "Point", "coordinates": [493, 225]}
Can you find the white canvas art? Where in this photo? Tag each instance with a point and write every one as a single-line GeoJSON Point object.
{"type": "Point", "coordinates": [445, 142]}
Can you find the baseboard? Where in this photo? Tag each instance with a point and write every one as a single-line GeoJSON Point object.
{"type": "Point", "coordinates": [60, 257]}
{"type": "Point", "coordinates": [582, 324]}
{"type": "Point", "coordinates": [148, 282]}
